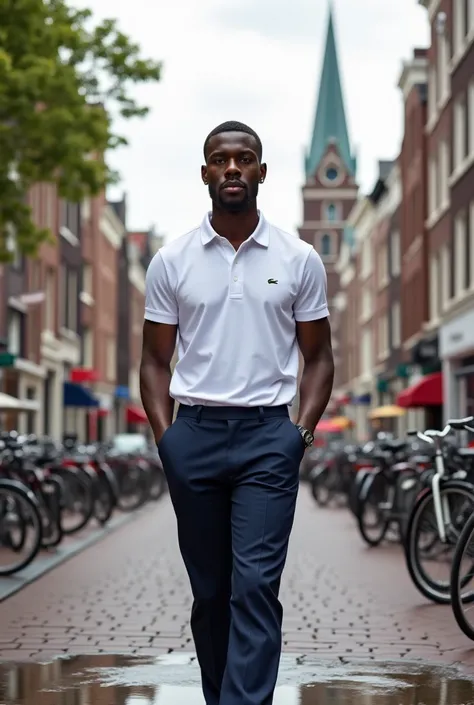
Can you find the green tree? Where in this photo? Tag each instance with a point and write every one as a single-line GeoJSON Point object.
{"type": "Point", "coordinates": [62, 80]}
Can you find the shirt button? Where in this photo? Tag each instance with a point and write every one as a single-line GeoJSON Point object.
{"type": "Point", "coordinates": [236, 279]}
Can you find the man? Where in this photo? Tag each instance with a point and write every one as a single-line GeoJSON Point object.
{"type": "Point", "coordinates": [241, 295]}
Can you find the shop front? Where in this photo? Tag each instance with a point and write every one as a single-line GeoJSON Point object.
{"type": "Point", "coordinates": [422, 395]}
{"type": "Point", "coordinates": [360, 402]}
{"type": "Point", "coordinates": [21, 380]}
{"type": "Point", "coordinates": [457, 352]}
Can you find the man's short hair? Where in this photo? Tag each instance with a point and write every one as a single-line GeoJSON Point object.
{"type": "Point", "coordinates": [234, 126]}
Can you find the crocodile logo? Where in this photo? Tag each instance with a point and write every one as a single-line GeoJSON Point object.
{"type": "Point", "coordinates": [273, 281]}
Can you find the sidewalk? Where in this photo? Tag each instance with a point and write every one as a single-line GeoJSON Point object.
{"type": "Point", "coordinates": [129, 594]}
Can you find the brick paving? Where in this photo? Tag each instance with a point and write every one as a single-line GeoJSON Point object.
{"type": "Point", "coordinates": [129, 594]}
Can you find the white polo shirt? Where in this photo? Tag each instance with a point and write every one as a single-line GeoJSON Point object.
{"type": "Point", "coordinates": [236, 313]}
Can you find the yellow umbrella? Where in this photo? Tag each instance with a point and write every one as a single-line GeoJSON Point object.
{"type": "Point", "coordinates": [386, 412]}
{"type": "Point", "coordinates": [342, 422]}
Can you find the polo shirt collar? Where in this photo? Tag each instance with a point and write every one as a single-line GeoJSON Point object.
{"type": "Point", "coordinates": [261, 233]}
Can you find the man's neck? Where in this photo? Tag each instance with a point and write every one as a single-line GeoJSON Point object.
{"type": "Point", "coordinates": [235, 227]}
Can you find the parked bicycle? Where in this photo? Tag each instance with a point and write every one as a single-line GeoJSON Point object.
{"type": "Point", "coordinates": [440, 512]}
{"type": "Point", "coordinates": [50, 490]}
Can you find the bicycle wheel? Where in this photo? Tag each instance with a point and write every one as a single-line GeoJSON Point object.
{"type": "Point", "coordinates": [50, 501]}
{"type": "Point", "coordinates": [157, 483]}
{"type": "Point", "coordinates": [104, 499]}
{"type": "Point", "coordinates": [356, 491]}
{"type": "Point", "coordinates": [462, 575]}
{"type": "Point", "coordinates": [423, 545]}
{"type": "Point", "coordinates": [77, 502]}
{"type": "Point", "coordinates": [20, 527]}
{"type": "Point", "coordinates": [320, 488]}
{"type": "Point", "coordinates": [371, 517]}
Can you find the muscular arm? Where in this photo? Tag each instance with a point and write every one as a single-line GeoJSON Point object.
{"type": "Point", "coordinates": [159, 340]}
{"type": "Point", "coordinates": [314, 339]}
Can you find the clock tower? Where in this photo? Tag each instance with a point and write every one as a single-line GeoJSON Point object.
{"type": "Point", "coordinates": [330, 188]}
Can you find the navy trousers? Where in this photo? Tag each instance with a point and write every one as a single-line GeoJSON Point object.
{"type": "Point", "coordinates": [233, 481]}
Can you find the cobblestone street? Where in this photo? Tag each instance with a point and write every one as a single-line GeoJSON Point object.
{"type": "Point", "coordinates": [129, 594]}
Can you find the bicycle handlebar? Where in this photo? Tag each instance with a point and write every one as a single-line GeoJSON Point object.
{"type": "Point", "coordinates": [453, 425]}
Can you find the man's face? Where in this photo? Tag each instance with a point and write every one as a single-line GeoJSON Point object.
{"type": "Point", "coordinates": [233, 171]}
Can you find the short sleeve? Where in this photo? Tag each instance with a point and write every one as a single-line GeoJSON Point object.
{"type": "Point", "coordinates": [160, 301]}
{"type": "Point", "coordinates": [311, 301]}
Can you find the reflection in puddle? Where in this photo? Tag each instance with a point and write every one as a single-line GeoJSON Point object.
{"type": "Point", "coordinates": [174, 680]}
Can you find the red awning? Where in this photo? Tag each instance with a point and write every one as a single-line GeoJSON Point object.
{"type": "Point", "coordinates": [83, 374]}
{"type": "Point", "coordinates": [328, 426]}
{"type": "Point", "coordinates": [427, 392]}
{"type": "Point", "coordinates": [136, 415]}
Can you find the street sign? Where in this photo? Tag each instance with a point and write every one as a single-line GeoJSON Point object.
{"type": "Point", "coordinates": [7, 359]}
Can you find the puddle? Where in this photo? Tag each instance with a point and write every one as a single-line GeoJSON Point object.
{"type": "Point", "coordinates": [174, 680]}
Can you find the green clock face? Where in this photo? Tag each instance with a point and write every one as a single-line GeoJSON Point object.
{"type": "Point", "coordinates": [331, 173]}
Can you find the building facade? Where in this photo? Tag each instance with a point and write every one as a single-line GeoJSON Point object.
{"type": "Point", "coordinates": [71, 322]}
{"type": "Point", "coordinates": [452, 98]}
{"type": "Point", "coordinates": [369, 267]}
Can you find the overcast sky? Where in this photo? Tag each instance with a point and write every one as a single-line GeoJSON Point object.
{"type": "Point", "coordinates": [257, 61]}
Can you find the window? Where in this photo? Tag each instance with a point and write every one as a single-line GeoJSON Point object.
{"type": "Point", "coordinates": [332, 173]}
{"type": "Point", "coordinates": [366, 304]}
{"type": "Point", "coordinates": [470, 110]}
{"type": "Point", "coordinates": [445, 276]}
{"type": "Point", "coordinates": [111, 360]}
{"type": "Point", "coordinates": [87, 340]}
{"type": "Point", "coordinates": [382, 336]}
{"type": "Point", "coordinates": [87, 356]}
{"type": "Point", "coordinates": [331, 212]}
{"type": "Point", "coordinates": [460, 137]}
{"type": "Point", "coordinates": [367, 353]}
{"type": "Point", "coordinates": [459, 27]}
{"type": "Point", "coordinates": [433, 186]}
{"type": "Point", "coordinates": [50, 303]}
{"type": "Point", "coordinates": [443, 67]}
{"type": "Point", "coordinates": [325, 245]}
{"type": "Point", "coordinates": [35, 275]}
{"type": "Point", "coordinates": [434, 287]}
{"type": "Point", "coordinates": [443, 151]}
{"type": "Point", "coordinates": [62, 294]}
{"type": "Point", "coordinates": [471, 242]}
{"type": "Point", "coordinates": [69, 217]}
{"type": "Point", "coordinates": [382, 267]}
{"type": "Point", "coordinates": [30, 417]}
{"type": "Point", "coordinates": [87, 279]}
{"type": "Point", "coordinates": [467, 249]}
{"type": "Point", "coordinates": [396, 332]}
{"type": "Point", "coordinates": [16, 332]}
{"type": "Point", "coordinates": [72, 294]}
{"type": "Point", "coordinates": [459, 254]}
{"type": "Point", "coordinates": [395, 254]}
{"type": "Point", "coordinates": [432, 92]}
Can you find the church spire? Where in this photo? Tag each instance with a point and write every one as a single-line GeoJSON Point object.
{"type": "Point", "coordinates": [330, 124]}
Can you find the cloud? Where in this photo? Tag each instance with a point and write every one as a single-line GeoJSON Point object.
{"type": "Point", "coordinates": [306, 20]}
{"type": "Point", "coordinates": [258, 62]}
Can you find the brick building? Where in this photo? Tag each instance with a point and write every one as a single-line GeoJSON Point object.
{"type": "Point", "coordinates": [414, 290]}
{"type": "Point", "coordinates": [369, 271]}
{"type": "Point", "coordinates": [62, 318]}
{"type": "Point", "coordinates": [426, 309]}
{"type": "Point", "coordinates": [452, 68]}
{"type": "Point", "coordinates": [381, 281]}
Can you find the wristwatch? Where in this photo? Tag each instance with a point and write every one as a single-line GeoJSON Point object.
{"type": "Point", "coordinates": [306, 435]}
